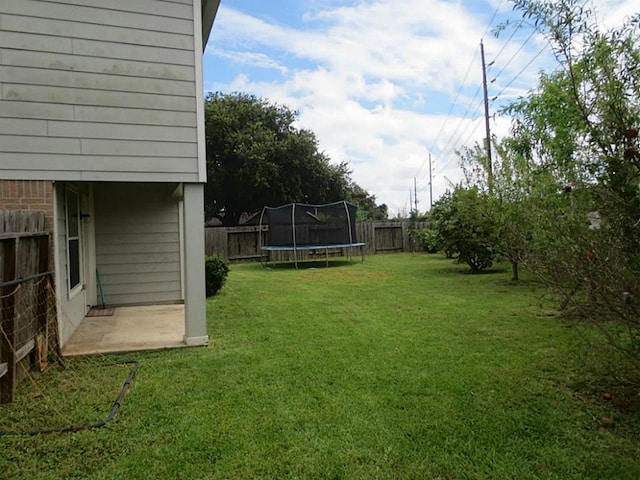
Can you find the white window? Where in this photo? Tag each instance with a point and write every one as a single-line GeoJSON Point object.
{"type": "Point", "coordinates": [73, 241]}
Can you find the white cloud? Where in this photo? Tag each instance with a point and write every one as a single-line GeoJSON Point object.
{"type": "Point", "coordinates": [612, 13]}
{"type": "Point", "coordinates": [375, 80]}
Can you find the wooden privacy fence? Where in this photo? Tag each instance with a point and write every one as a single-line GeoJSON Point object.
{"type": "Point", "coordinates": [243, 243]}
{"type": "Point", "coordinates": [26, 298]}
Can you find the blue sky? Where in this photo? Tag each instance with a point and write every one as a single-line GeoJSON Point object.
{"type": "Point", "coordinates": [383, 83]}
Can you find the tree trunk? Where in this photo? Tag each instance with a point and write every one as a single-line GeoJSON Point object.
{"type": "Point", "coordinates": [514, 268]}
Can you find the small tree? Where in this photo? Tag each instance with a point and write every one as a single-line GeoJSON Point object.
{"type": "Point", "coordinates": [442, 220]}
{"type": "Point", "coordinates": [507, 199]}
{"type": "Point", "coordinates": [464, 226]}
{"type": "Point", "coordinates": [578, 129]}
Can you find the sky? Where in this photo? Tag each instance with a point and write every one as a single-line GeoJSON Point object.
{"type": "Point", "coordinates": [386, 85]}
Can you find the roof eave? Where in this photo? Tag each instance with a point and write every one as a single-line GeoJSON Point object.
{"type": "Point", "coordinates": [209, 10]}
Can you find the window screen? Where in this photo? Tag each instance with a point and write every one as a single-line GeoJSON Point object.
{"type": "Point", "coordinates": [73, 239]}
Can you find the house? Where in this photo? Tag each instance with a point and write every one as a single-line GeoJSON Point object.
{"type": "Point", "coordinates": [101, 103]}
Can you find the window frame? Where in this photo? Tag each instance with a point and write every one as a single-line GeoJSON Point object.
{"type": "Point", "coordinates": [73, 236]}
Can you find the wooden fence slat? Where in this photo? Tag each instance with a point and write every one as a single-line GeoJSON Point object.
{"type": "Point", "coordinates": [243, 243]}
{"type": "Point", "coordinates": [216, 241]}
{"type": "Point", "coordinates": [7, 324]}
{"type": "Point", "coordinates": [39, 356]}
{"type": "Point", "coordinates": [25, 350]}
{"type": "Point", "coordinates": [21, 221]}
{"type": "Point", "coordinates": [24, 252]}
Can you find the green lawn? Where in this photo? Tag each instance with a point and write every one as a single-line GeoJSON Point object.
{"type": "Point", "coordinates": [401, 367]}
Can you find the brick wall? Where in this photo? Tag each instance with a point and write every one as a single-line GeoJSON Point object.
{"type": "Point", "coordinates": [32, 195]}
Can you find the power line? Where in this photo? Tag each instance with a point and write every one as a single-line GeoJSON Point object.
{"type": "Point", "coordinates": [450, 143]}
{"type": "Point", "coordinates": [522, 71]}
{"type": "Point", "coordinates": [466, 75]}
{"type": "Point", "coordinates": [466, 122]}
{"type": "Point", "coordinates": [450, 155]}
{"type": "Point", "coordinates": [533, 32]}
{"type": "Point", "coordinates": [493, 17]}
{"type": "Point", "coordinates": [449, 151]}
{"type": "Point", "coordinates": [465, 118]}
{"type": "Point", "coordinates": [453, 105]}
{"type": "Point", "coordinates": [513, 33]}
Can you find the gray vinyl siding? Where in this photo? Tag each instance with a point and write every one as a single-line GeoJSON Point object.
{"type": "Point", "coordinates": [137, 243]}
{"type": "Point", "coordinates": [99, 90]}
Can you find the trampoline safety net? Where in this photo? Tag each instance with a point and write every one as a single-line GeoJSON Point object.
{"type": "Point", "coordinates": [300, 225]}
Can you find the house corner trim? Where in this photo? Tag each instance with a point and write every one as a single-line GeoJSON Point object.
{"type": "Point", "coordinates": [196, 341]}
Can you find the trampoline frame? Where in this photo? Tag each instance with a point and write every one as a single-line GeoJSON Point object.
{"type": "Point", "coordinates": [326, 248]}
{"type": "Point", "coordinates": [295, 247]}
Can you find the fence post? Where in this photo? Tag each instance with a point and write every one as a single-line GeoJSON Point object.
{"type": "Point", "coordinates": [374, 241]}
{"type": "Point", "coordinates": [406, 241]}
{"type": "Point", "coordinates": [39, 354]}
{"type": "Point", "coordinates": [7, 323]}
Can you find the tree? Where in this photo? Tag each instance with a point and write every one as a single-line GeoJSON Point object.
{"type": "Point", "coordinates": [463, 227]}
{"type": "Point", "coordinates": [578, 130]}
{"type": "Point", "coordinates": [367, 207]}
{"type": "Point", "coordinates": [514, 188]}
{"type": "Point", "coordinates": [256, 157]}
{"type": "Point", "coordinates": [441, 216]}
{"type": "Point", "coordinates": [422, 238]}
{"type": "Point", "coordinates": [475, 233]}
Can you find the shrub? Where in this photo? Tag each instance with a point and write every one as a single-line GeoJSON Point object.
{"type": "Point", "coordinates": [427, 240]}
{"type": "Point", "coordinates": [216, 272]}
{"type": "Point", "coordinates": [463, 225]}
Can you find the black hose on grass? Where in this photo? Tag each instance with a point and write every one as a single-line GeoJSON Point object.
{"type": "Point", "coordinates": [102, 423]}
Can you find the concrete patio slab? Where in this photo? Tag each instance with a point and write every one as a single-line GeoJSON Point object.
{"type": "Point", "coordinates": [129, 329]}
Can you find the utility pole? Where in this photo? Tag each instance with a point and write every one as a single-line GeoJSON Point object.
{"type": "Point", "coordinates": [415, 193]}
{"type": "Point", "coordinates": [430, 186]}
{"type": "Point", "coordinates": [486, 120]}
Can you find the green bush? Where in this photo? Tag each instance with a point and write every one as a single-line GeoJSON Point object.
{"type": "Point", "coordinates": [216, 272]}
{"type": "Point", "coordinates": [427, 240]}
{"type": "Point", "coordinates": [463, 225]}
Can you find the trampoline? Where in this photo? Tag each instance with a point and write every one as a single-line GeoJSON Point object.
{"type": "Point", "coordinates": [300, 226]}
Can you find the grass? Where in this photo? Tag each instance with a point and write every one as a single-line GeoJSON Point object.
{"type": "Point", "coordinates": [401, 367]}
